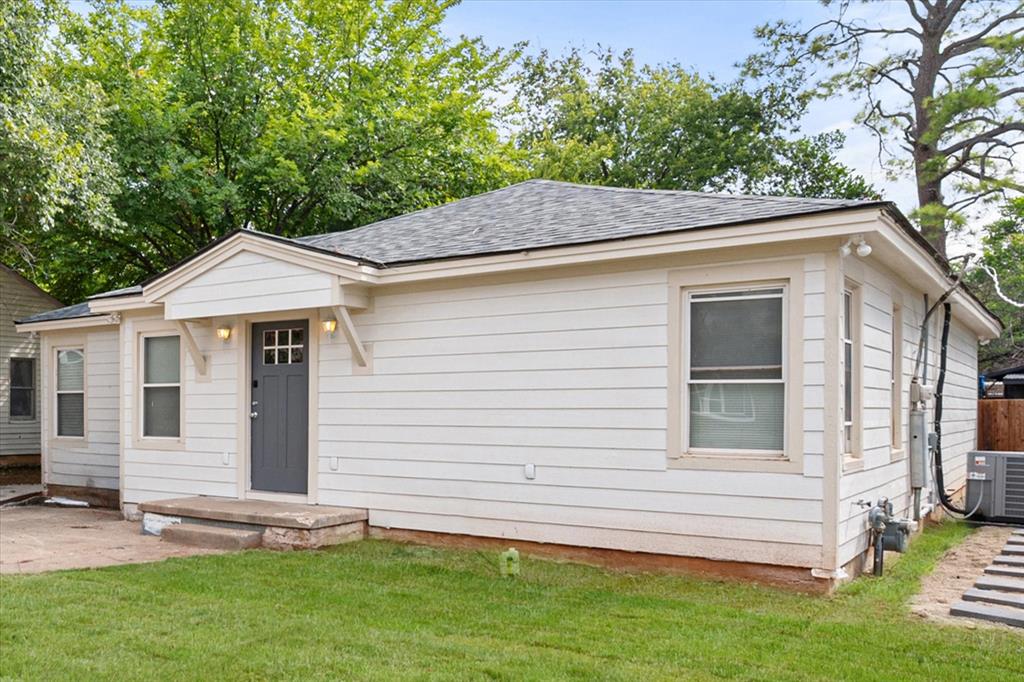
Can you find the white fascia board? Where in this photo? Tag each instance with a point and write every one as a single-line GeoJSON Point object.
{"type": "Point", "coordinates": [934, 281]}
{"type": "Point", "coordinates": [69, 323]}
{"type": "Point", "coordinates": [747, 234]}
{"type": "Point", "coordinates": [118, 304]}
{"type": "Point", "coordinates": [338, 265]}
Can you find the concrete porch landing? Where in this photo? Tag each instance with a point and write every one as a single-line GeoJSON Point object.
{"type": "Point", "coordinates": [279, 525]}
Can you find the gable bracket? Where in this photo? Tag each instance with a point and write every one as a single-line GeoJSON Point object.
{"type": "Point", "coordinates": [193, 348]}
{"type": "Point", "coordinates": [348, 328]}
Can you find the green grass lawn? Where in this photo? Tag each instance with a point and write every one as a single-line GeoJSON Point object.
{"type": "Point", "coordinates": [378, 610]}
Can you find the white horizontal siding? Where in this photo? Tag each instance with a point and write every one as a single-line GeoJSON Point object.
{"type": "Point", "coordinates": [881, 476]}
{"type": "Point", "coordinates": [569, 374]}
{"type": "Point", "coordinates": [206, 463]}
{"type": "Point", "coordinates": [91, 462]}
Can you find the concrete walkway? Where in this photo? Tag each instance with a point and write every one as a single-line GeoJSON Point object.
{"type": "Point", "coordinates": [34, 539]}
{"type": "Point", "coordinates": [18, 491]}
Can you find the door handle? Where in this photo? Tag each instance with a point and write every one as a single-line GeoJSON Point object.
{"type": "Point", "coordinates": [253, 415]}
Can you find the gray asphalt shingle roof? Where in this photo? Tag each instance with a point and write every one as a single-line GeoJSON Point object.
{"type": "Point", "coordinates": [532, 215]}
{"type": "Point", "coordinates": [65, 313]}
{"type": "Point", "coordinates": [543, 213]}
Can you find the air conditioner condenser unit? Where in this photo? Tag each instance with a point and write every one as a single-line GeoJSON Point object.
{"type": "Point", "coordinates": [995, 485]}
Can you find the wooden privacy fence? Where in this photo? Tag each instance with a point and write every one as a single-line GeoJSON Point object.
{"type": "Point", "coordinates": [1001, 424]}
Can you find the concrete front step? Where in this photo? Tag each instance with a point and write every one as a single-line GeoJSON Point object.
{"type": "Point", "coordinates": [1014, 549]}
{"type": "Point", "coordinates": [1015, 540]}
{"type": "Point", "coordinates": [1007, 560]}
{"type": "Point", "coordinates": [256, 512]}
{"type": "Point", "coordinates": [995, 597]}
{"type": "Point", "coordinates": [1013, 571]}
{"type": "Point", "coordinates": [991, 582]}
{"type": "Point", "coordinates": [212, 537]}
{"type": "Point", "coordinates": [282, 525]}
{"type": "Point", "coordinates": [995, 614]}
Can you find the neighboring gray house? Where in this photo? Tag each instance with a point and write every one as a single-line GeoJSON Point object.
{"type": "Point", "coordinates": [19, 367]}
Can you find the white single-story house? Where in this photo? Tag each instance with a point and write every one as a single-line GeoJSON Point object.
{"type": "Point", "coordinates": [673, 373]}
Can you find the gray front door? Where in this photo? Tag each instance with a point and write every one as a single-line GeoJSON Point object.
{"type": "Point", "coordinates": [280, 406]}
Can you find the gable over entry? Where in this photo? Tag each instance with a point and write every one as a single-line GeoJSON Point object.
{"type": "Point", "coordinates": [248, 274]}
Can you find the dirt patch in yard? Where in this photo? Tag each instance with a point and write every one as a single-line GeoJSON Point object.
{"type": "Point", "coordinates": [957, 571]}
{"type": "Point", "coordinates": [35, 538]}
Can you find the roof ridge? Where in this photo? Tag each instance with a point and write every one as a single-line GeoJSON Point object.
{"type": "Point", "coordinates": [690, 192]}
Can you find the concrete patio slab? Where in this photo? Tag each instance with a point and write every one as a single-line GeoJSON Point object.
{"type": "Point", "coordinates": [34, 539]}
{"type": "Point", "coordinates": [19, 491]}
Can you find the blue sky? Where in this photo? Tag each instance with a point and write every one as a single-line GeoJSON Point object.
{"type": "Point", "coordinates": [705, 35]}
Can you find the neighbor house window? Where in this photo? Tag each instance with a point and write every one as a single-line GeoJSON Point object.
{"type": "Point", "coordinates": [161, 387]}
{"type": "Point", "coordinates": [735, 378]}
{"type": "Point", "coordinates": [851, 370]}
{"type": "Point", "coordinates": [896, 390]}
{"type": "Point", "coordinates": [71, 392]}
{"type": "Point", "coordinates": [23, 388]}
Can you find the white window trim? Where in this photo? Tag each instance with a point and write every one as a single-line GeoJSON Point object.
{"type": "Point", "coordinates": [746, 275]}
{"type": "Point", "coordinates": [896, 396]}
{"type": "Point", "coordinates": [852, 448]}
{"type": "Point", "coordinates": [57, 350]}
{"type": "Point", "coordinates": [158, 442]}
{"type": "Point", "coordinates": [34, 388]}
{"type": "Point", "coordinates": [688, 381]}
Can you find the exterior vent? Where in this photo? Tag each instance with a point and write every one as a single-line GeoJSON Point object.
{"type": "Point", "coordinates": [995, 485]}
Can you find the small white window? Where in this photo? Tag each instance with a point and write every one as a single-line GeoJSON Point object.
{"type": "Point", "coordinates": [161, 387]}
{"type": "Point", "coordinates": [851, 370]}
{"type": "Point", "coordinates": [71, 393]}
{"type": "Point", "coordinates": [735, 373]}
{"type": "Point", "coordinates": [896, 389]}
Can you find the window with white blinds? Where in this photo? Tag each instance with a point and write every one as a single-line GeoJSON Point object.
{"type": "Point", "coordinates": [71, 393]}
{"type": "Point", "coordinates": [735, 373]}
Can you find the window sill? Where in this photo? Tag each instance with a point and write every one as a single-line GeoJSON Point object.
{"type": "Point", "coordinates": [68, 440]}
{"type": "Point", "coordinates": [159, 443]}
{"type": "Point", "coordinates": [852, 463]}
{"type": "Point", "coordinates": [897, 455]}
{"type": "Point", "coordinates": [736, 462]}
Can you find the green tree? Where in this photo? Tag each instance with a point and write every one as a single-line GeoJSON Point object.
{"type": "Point", "coordinates": [941, 87]}
{"type": "Point", "coordinates": [286, 116]}
{"type": "Point", "coordinates": [1003, 252]}
{"type": "Point", "coordinates": [617, 123]}
{"type": "Point", "coordinates": [56, 164]}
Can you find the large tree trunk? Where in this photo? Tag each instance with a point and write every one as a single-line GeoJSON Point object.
{"type": "Point", "coordinates": [929, 182]}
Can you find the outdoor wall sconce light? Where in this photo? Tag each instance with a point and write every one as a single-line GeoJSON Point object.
{"type": "Point", "coordinates": [329, 325]}
{"type": "Point", "coordinates": [224, 333]}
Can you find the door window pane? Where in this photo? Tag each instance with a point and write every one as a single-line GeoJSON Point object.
{"type": "Point", "coordinates": [283, 347]}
